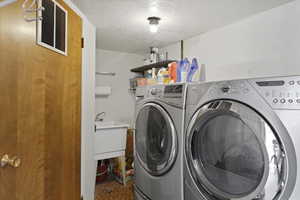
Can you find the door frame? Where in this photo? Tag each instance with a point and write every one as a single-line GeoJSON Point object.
{"type": "Point", "coordinates": [88, 104]}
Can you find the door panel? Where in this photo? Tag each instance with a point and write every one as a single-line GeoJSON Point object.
{"type": "Point", "coordinates": [234, 153]}
{"type": "Point", "coordinates": [156, 139]}
{"type": "Point", "coordinates": [40, 102]}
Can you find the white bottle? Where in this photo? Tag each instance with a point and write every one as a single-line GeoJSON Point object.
{"type": "Point", "coordinates": [160, 76]}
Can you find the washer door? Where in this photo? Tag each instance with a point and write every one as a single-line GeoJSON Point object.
{"type": "Point", "coordinates": [155, 139]}
{"type": "Point", "coordinates": [233, 153]}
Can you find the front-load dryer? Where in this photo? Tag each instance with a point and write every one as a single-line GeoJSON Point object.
{"type": "Point", "coordinates": [242, 140]}
{"type": "Point", "coordinates": [159, 142]}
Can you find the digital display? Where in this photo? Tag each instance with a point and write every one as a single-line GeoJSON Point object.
{"type": "Point", "coordinates": [270, 83]}
{"type": "Point", "coordinates": [173, 89]}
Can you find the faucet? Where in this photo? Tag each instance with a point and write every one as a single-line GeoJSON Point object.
{"type": "Point", "coordinates": [99, 117]}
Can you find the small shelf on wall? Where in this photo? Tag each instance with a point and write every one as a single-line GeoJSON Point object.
{"type": "Point", "coordinates": [144, 68]}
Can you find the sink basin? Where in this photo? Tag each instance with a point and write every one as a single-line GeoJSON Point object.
{"type": "Point", "coordinates": [110, 137]}
{"type": "Point", "coordinates": [110, 125]}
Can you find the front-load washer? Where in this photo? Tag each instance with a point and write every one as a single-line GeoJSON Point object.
{"type": "Point", "coordinates": [242, 140]}
{"type": "Point", "coordinates": [159, 142]}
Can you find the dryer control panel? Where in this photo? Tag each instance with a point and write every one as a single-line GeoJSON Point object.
{"type": "Point", "coordinates": [174, 91]}
{"type": "Point", "coordinates": [280, 93]}
{"type": "Point", "coordinates": [173, 94]}
{"type": "Point", "coordinates": [166, 91]}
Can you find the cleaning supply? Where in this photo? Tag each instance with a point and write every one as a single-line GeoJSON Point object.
{"type": "Point", "coordinates": [166, 77]}
{"type": "Point", "coordinates": [199, 75]}
{"type": "Point", "coordinates": [184, 70]}
{"type": "Point", "coordinates": [178, 70]}
{"type": "Point", "coordinates": [172, 69]}
{"type": "Point", "coordinates": [154, 73]}
{"type": "Point", "coordinates": [160, 75]}
{"type": "Point", "coordinates": [202, 76]}
{"type": "Point", "coordinates": [151, 81]}
{"type": "Point", "coordinates": [148, 73]}
{"type": "Point", "coordinates": [192, 70]}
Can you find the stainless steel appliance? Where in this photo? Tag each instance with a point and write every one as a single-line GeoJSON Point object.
{"type": "Point", "coordinates": [242, 140]}
{"type": "Point", "coordinates": [159, 142]}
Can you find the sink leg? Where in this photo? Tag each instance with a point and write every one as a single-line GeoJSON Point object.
{"type": "Point", "coordinates": [123, 167]}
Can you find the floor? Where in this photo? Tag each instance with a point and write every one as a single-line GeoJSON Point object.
{"type": "Point", "coordinates": [112, 190]}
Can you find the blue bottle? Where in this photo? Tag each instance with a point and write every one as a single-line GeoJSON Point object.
{"type": "Point", "coordinates": [184, 70]}
{"type": "Point", "coordinates": [179, 68]}
{"type": "Point", "coordinates": [193, 68]}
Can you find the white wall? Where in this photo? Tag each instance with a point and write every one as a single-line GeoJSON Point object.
{"type": "Point", "coordinates": [119, 106]}
{"type": "Point", "coordinates": [267, 44]}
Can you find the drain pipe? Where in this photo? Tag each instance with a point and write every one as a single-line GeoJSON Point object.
{"type": "Point", "coordinates": [181, 49]}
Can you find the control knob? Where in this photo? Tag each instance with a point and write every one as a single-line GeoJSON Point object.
{"type": "Point", "coordinates": [154, 91]}
{"type": "Point", "coordinates": [225, 89]}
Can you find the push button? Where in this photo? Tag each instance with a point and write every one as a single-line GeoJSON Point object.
{"type": "Point", "coordinates": [275, 100]}
{"type": "Point", "coordinates": [282, 100]}
{"type": "Point", "coordinates": [298, 100]}
{"type": "Point", "coordinates": [290, 100]}
{"type": "Point", "coordinates": [225, 89]}
{"type": "Point", "coordinates": [298, 82]}
{"type": "Point", "coordinates": [292, 82]}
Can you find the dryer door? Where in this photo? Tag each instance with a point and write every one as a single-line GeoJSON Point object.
{"type": "Point", "coordinates": [155, 139]}
{"type": "Point", "coordinates": [233, 153]}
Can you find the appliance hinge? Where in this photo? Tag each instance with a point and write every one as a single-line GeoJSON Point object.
{"type": "Point", "coordinates": [82, 42]}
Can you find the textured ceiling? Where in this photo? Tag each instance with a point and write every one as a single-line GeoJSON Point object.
{"type": "Point", "coordinates": [122, 24]}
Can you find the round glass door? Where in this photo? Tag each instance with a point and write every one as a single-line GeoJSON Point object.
{"type": "Point", "coordinates": [155, 139]}
{"type": "Point", "coordinates": [233, 153]}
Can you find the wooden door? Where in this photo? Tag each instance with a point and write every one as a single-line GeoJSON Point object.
{"type": "Point", "coordinates": [40, 98]}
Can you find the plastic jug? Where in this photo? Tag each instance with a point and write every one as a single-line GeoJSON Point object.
{"type": "Point", "coordinates": [192, 70]}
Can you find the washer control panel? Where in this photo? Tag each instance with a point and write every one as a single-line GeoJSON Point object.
{"type": "Point", "coordinates": [280, 93]}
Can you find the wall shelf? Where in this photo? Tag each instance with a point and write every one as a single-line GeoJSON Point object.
{"type": "Point", "coordinates": [144, 68]}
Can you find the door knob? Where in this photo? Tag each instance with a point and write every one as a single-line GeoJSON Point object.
{"type": "Point", "coordinates": [13, 162]}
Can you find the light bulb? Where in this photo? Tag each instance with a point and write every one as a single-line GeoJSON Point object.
{"type": "Point", "coordinates": [153, 24]}
{"type": "Point", "coordinates": [153, 28]}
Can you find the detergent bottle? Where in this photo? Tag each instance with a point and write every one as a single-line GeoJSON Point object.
{"type": "Point", "coordinates": [192, 70]}
{"type": "Point", "coordinates": [179, 67]}
{"type": "Point", "coordinates": [183, 70]}
{"type": "Point", "coordinates": [173, 72]}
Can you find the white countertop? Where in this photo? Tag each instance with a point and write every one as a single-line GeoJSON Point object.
{"type": "Point", "coordinates": [110, 125]}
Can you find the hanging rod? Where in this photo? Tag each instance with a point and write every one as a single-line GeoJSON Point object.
{"type": "Point", "coordinates": [106, 73]}
{"type": "Point", "coordinates": [30, 8]}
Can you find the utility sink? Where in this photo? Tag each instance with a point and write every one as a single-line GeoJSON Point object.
{"type": "Point", "coordinates": [110, 137]}
{"type": "Point", "coordinates": [110, 142]}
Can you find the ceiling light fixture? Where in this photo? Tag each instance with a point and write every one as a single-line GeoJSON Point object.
{"type": "Point", "coordinates": [153, 22]}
